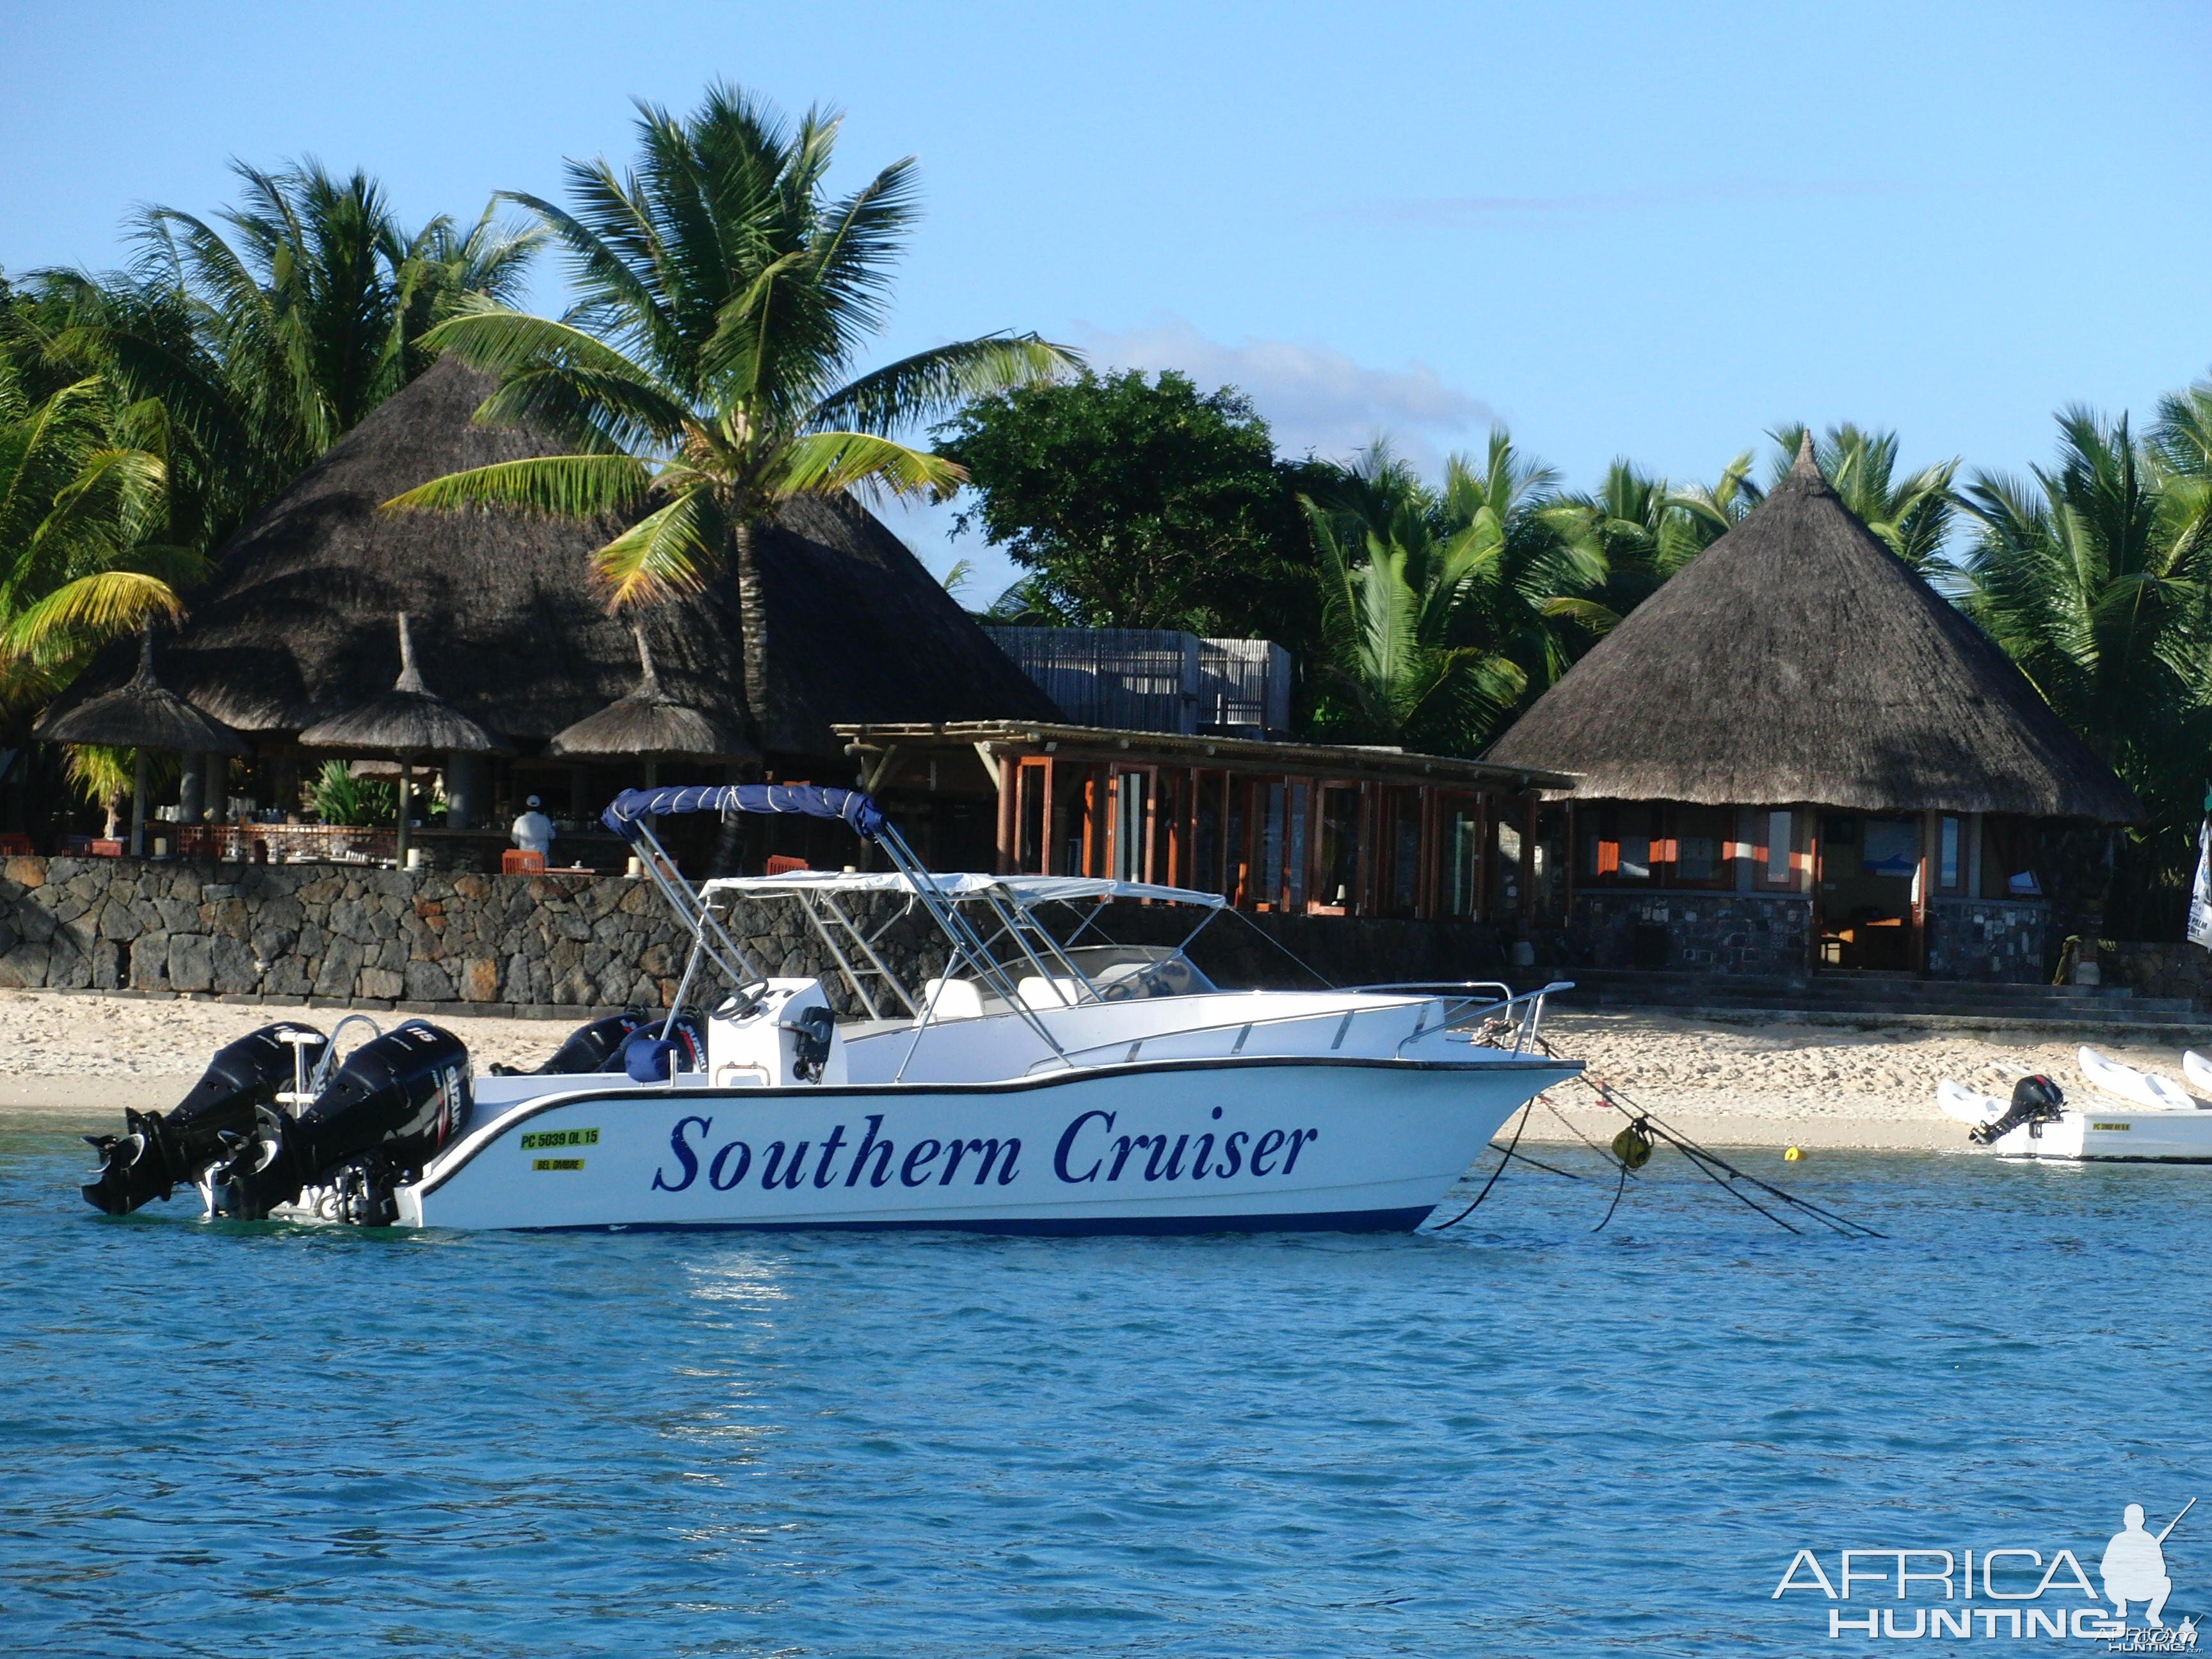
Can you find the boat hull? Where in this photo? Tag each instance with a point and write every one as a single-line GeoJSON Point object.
{"type": "Point", "coordinates": [2115, 1135]}
{"type": "Point", "coordinates": [1265, 1144]}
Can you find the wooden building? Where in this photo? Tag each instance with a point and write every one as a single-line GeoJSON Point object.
{"type": "Point", "coordinates": [1296, 828]}
{"type": "Point", "coordinates": [1797, 755]}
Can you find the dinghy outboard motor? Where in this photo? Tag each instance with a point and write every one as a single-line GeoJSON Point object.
{"type": "Point", "coordinates": [158, 1152]}
{"type": "Point", "coordinates": [2035, 1100]}
{"type": "Point", "coordinates": [393, 1103]}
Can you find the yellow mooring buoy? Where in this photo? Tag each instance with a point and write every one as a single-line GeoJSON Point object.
{"type": "Point", "coordinates": [1632, 1146]}
{"type": "Point", "coordinates": [1792, 1156]}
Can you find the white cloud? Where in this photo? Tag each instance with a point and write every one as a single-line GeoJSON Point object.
{"type": "Point", "coordinates": [1313, 397]}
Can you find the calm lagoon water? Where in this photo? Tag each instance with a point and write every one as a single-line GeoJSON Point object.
{"type": "Point", "coordinates": [1513, 1436]}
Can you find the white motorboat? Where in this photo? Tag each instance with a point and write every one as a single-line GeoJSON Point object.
{"type": "Point", "coordinates": [1045, 1081]}
{"type": "Point", "coordinates": [2136, 1120]}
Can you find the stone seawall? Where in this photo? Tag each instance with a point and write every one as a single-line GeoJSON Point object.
{"type": "Point", "coordinates": [421, 940]}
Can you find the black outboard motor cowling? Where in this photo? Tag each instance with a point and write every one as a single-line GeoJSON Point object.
{"type": "Point", "coordinates": [158, 1152]}
{"type": "Point", "coordinates": [2035, 1100]}
{"type": "Point", "coordinates": [394, 1103]}
{"type": "Point", "coordinates": [598, 1046]}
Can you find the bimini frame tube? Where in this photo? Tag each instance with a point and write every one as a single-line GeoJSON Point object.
{"type": "Point", "coordinates": [629, 815]}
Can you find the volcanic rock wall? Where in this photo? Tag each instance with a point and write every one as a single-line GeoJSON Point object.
{"type": "Point", "coordinates": [422, 940]}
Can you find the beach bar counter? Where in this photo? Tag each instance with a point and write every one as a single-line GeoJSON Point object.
{"type": "Point", "coordinates": [1797, 757]}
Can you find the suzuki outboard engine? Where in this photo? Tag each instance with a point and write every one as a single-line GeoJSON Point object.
{"type": "Point", "coordinates": [2035, 1100]}
{"type": "Point", "coordinates": [157, 1153]}
{"type": "Point", "coordinates": [393, 1103]}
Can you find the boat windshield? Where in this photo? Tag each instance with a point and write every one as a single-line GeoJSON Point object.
{"type": "Point", "coordinates": [1124, 973]}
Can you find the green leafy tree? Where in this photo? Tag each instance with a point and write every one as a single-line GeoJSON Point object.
{"type": "Point", "coordinates": [2092, 574]}
{"type": "Point", "coordinates": [705, 375]}
{"type": "Point", "coordinates": [1137, 502]}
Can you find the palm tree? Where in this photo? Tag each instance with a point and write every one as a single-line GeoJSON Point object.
{"type": "Point", "coordinates": [1646, 530]}
{"type": "Point", "coordinates": [85, 552]}
{"type": "Point", "coordinates": [271, 331]}
{"type": "Point", "coordinates": [2093, 575]}
{"type": "Point", "coordinates": [1444, 610]}
{"type": "Point", "coordinates": [702, 378]}
{"type": "Point", "coordinates": [1912, 514]}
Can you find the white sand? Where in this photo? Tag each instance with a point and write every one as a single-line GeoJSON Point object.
{"type": "Point", "coordinates": [1781, 1082]}
{"type": "Point", "coordinates": [1768, 1083]}
{"type": "Point", "coordinates": [81, 1055]}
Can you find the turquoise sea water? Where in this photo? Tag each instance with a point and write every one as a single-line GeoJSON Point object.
{"type": "Point", "coordinates": [1512, 1437]}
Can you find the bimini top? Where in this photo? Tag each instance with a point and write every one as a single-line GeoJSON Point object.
{"type": "Point", "coordinates": [1027, 890]}
{"type": "Point", "coordinates": [807, 800]}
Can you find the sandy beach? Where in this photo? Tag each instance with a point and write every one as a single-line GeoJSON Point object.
{"type": "Point", "coordinates": [1768, 1083]}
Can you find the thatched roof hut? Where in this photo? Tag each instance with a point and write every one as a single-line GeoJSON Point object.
{"type": "Point", "coordinates": [296, 626]}
{"type": "Point", "coordinates": [1798, 659]}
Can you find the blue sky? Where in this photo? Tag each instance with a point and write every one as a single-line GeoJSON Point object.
{"type": "Point", "coordinates": [1624, 229]}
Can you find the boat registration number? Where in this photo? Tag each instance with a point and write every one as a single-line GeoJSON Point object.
{"type": "Point", "coordinates": [545, 1139]}
{"type": "Point", "coordinates": [2112, 1126]}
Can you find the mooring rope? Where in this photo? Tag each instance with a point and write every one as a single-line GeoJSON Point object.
{"type": "Point", "coordinates": [1709, 1162]}
{"type": "Point", "coordinates": [1645, 1128]}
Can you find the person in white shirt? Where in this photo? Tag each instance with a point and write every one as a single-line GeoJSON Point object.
{"type": "Point", "coordinates": [533, 830]}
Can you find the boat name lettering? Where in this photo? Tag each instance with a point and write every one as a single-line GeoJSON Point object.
{"type": "Point", "coordinates": [557, 1163]}
{"type": "Point", "coordinates": [785, 1166]}
{"type": "Point", "coordinates": [1109, 1155]}
{"type": "Point", "coordinates": [545, 1139]}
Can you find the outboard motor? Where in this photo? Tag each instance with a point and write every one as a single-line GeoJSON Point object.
{"type": "Point", "coordinates": [2035, 1100]}
{"type": "Point", "coordinates": [394, 1103]}
{"type": "Point", "coordinates": [158, 1152]}
{"type": "Point", "coordinates": [597, 1046]}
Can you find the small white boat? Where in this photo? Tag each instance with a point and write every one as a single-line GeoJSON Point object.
{"type": "Point", "coordinates": [1042, 1080]}
{"type": "Point", "coordinates": [2196, 1069]}
{"type": "Point", "coordinates": [2136, 1088]}
{"type": "Point", "coordinates": [2037, 1123]}
{"type": "Point", "coordinates": [2119, 1134]}
{"type": "Point", "coordinates": [1968, 1106]}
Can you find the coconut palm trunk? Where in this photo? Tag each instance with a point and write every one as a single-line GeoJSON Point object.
{"type": "Point", "coordinates": [752, 615]}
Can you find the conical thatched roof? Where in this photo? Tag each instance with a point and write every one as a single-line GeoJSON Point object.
{"type": "Point", "coordinates": [409, 719]}
{"type": "Point", "coordinates": [648, 724]}
{"type": "Point", "coordinates": [1798, 659]}
{"type": "Point", "coordinates": [141, 714]}
{"type": "Point", "coordinates": [297, 625]}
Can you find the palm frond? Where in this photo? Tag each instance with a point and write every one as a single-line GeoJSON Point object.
{"type": "Point", "coordinates": [559, 486]}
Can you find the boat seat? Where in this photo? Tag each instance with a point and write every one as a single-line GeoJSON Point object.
{"type": "Point", "coordinates": [1037, 992]}
{"type": "Point", "coordinates": [951, 998]}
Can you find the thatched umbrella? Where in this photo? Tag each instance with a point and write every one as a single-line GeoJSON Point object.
{"type": "Point", "coordinates": [648, 724]}
{"type": "Point", "coordinates": [144, 714]}
{"type": "Point", "coordinates": [407, 723]}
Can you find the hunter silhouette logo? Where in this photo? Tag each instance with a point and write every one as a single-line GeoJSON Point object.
{"type": "Point", "coordinates": [2134, 1567]}
{"type": "Point", "coordinates": [2010, 1591]}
